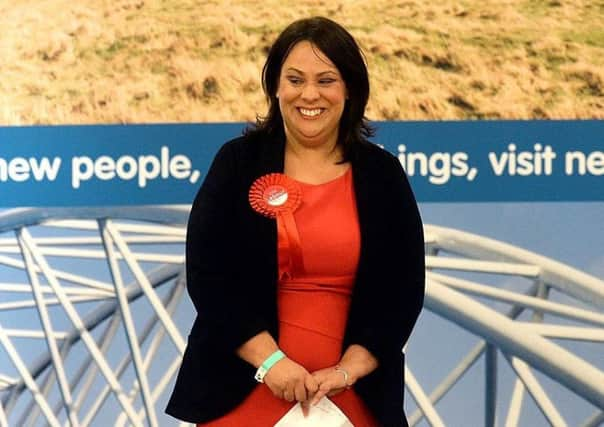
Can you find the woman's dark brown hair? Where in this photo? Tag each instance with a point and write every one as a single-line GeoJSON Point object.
{"type": "Point", "coordinates": [340, 47]}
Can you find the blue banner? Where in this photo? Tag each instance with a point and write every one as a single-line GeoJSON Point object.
{"type": "Point", "coordinates": [164, 164]}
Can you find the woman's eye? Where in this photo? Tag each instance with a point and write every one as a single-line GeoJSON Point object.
{"type": "Point", "coordinates": [326, 81]}
{"type": "Point", "coordinates": [294, 80]}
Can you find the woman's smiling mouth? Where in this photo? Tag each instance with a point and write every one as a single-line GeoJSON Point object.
{"type": "Point", "coordinates": [307, 112]}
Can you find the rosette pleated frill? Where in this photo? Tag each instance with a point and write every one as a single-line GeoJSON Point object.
{"type": "Point", "coordinates": [277, 196]}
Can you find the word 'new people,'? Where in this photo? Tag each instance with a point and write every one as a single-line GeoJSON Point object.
{"type": "Point", "coordinates": [144, 168]}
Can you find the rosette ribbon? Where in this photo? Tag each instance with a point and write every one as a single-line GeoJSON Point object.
{"type": "Point", "coordinates": [277, 196]}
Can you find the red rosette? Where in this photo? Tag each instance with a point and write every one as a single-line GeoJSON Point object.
{"type": "Point", "coordinates": [273, 194]}
{"type": "Point", "coordinates": [277, 196]}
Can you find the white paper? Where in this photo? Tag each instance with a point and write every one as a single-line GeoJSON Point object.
{"type": "Point", "coordinates": [324, 414]}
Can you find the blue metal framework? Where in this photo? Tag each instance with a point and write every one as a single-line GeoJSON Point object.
{"type": "Point", "coordinates": [92, 315]}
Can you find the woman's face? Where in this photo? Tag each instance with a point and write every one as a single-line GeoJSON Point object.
{"type": "Point", "coordinates": [311, 96]}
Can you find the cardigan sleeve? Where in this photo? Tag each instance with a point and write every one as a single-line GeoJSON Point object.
{"type": "Point", "coordinates": [219, 295]}
{"type": "Point", "coordinates": [407, 281]}
{"type": "Point", "coordinates": [394, 281]}
{"type": "Point", "coordinates": [389, 291]}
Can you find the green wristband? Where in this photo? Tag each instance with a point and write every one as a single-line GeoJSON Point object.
{"type": "Point", "coordinates": [267, 364]}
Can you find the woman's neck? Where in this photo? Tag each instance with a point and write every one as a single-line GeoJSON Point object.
{"type": "Point", "coordinates": [313, 164]}
{"type": "Point", "coordinates": [320, 153]}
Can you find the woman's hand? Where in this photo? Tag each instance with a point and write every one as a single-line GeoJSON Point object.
{"type": "Point", "coordinates": [356, 363]}
{"type": "Point", "coordinates": [291, 381]}
{"type": "Point", "coordinates": [331, 382]}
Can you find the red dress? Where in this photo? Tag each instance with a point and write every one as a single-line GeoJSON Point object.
{"type": "Point", "coordinates": [313, 304]}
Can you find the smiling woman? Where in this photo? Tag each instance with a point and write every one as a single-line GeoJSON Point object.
{"type": "Point", "coordinates": [306, 282]}
{"type": "Point", "coordinates": [311, 97]}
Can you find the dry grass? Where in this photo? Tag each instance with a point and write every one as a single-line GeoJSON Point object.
{"type": "Point", "coordinates": [126, 61]}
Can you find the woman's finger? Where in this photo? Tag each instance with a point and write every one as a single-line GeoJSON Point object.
{"type": "Point", "coordinates": [318, 396]}
{"type": "Point", "coordinates": [311, 384]}
{"type": "Point", "coordinates": [324, 388]}
{"type": "Point", "coordinates": [288, 395]}
{"type": "Point", "coordinates": [305, 408]}
{"type": "Point", "coordinates": [300, 392]}
{"type": "Point", "coordinates": [277, 392]}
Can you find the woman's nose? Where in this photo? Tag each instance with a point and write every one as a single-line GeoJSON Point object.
{"type": "Point", "coordinates": [310, 92]}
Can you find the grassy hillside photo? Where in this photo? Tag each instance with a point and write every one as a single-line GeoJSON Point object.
{"type": "Point", "coordinates": [142, 61]}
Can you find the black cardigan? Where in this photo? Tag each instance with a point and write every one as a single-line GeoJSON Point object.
{"type": "Point", "coordinates": [231, 257]}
